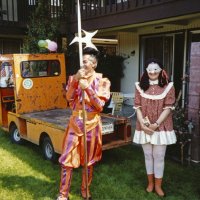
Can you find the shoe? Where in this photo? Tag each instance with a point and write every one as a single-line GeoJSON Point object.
{"type": "Point", "coordinates": [158, 189]}
{"type": "Point", "coordinates": [150, 186]}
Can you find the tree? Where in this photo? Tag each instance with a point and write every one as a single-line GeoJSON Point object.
{"type": "Point", "coordinates": [40, 27]}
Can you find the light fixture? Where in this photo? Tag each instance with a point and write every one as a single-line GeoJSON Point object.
{"type": "Point", "coordinates": [104, 41]}
{"type": "Point", "coordinates": [133, 53]}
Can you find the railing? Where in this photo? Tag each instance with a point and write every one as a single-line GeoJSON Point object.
{"type": "Point", "coordinates": [15, 12]}
{"type": "Point", "coordinates": [95, 8]}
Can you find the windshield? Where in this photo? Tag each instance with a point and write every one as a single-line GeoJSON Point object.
{"type": "Point", "coordinates": [39, 68]}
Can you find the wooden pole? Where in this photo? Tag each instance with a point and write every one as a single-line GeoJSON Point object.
{"type": "Point", "coordinates": [83, 101]}
{"type": "Point", "coordinates": [85, 144]}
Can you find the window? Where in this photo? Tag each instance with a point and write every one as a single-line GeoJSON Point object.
{"type": "Point", "coordinates": [41, 68]}
{"type": "Point", "coordinates": [32, 2]}
{"type": "Point", "coordinates": [6, 74]}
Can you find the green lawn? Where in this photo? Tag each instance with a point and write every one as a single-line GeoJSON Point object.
{"type": "Point", "coordinates": [25, 175]}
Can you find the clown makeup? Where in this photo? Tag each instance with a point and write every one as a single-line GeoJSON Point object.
{"type": "Point", "coordinates": [153, 68]}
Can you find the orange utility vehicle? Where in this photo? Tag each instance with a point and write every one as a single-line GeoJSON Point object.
{"type": "Point", "coordinates": [33, 105]}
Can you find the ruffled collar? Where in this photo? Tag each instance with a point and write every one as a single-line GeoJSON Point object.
{"type": "Point", "coordinates": [154, 97]}
{"type": "Point", "coordinates": [155, 82]}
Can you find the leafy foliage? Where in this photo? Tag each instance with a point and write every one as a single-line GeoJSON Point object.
{"type": "Point", "coordinates": [40, 27]}
{"type": "Point", "coordinates": [179, 119]}
{"type": "Point", "coordinates": [181, 125]}
{"type": "Point", "coordinates": [180, 150]}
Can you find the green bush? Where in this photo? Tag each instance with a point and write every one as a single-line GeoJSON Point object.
{"type": "Point", "coordinates": [44, 28]}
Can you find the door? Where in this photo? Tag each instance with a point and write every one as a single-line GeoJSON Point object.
{"type": "Point", "coordinates": [39, 80]}
{"type": "Point", "coordinates": [169, 49]}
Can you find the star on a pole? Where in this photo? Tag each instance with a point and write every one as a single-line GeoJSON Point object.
{"type": "Point", "coordinates": [87, 39]}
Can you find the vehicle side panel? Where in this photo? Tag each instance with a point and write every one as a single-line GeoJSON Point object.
{"type": "Point", "coordinates": [36, 133]}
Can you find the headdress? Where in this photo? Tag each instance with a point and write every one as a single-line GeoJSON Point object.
{"type": "Point", "coordinates": [91, 51]}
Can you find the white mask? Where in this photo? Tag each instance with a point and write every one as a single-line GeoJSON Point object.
{"type": "Point", "coordinates": [153, 68]}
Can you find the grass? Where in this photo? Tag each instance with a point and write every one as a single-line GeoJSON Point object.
{"type": "Point", "coordinates": [25, 175]}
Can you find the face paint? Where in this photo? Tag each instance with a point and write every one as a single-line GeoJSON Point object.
{"type": "Point", "coordinates": [153, 68]}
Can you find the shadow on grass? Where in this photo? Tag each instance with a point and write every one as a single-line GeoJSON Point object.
{"type": "Point", "coordinates": [120, 175]}
{"type": "Point", "coordinates": [26, 183]}
{"type": "Point", "coordinates": [29, 153]}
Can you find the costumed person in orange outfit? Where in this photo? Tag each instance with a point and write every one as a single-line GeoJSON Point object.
{"type": "Point", "coordinates": [154, 101]}
{"type": "Point", "coordinates": [97, 92]}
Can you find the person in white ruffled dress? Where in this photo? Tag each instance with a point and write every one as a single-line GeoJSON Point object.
{"type": "Point", "coordinates": [154, 102]}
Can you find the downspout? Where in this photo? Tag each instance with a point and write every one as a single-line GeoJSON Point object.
{"type": "Point", "coordinates": [184, 69]}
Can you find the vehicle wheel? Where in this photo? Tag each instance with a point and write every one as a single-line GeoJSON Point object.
{"type": "Point", "coordinates": [48, 150]}
{"type": "Point", "coordinates": [14, 135]}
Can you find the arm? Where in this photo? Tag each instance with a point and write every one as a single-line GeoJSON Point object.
{"type": "Point", "coordinates": [98, 98]}
{"type": "Point", "coordinates": [163, 116]}
{"type": "Point", "coordinates": [140, 117]}
{"type": "Point", "coordinates": [72, 85]}
{"type": "Point", "coordinates": [146, 129]}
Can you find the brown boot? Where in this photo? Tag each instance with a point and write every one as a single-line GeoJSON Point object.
{"type": "Point", "coordinates": [150, 186]}
{"type": "Point", "coordinates": [158, 188]}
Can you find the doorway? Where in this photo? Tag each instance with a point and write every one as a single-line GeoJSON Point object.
{"type": "Point", "coordinates": [169, 49]}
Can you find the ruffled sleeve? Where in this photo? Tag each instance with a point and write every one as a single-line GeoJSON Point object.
{"type": "Point", "coordinates": [170, 99]}
{"type": "Point", "coordinates": [72, 85]}
{"type": "Point", "coordinates": [137, 100]}
{"type": "Point", "coordinates": [104, 89]}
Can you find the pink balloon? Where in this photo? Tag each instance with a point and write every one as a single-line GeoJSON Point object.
{"type": "Point", "coordinates": [52, 46]}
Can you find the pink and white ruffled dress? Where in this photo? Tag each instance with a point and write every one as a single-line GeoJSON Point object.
{"type": "Point", "coordinates": [152, 102]}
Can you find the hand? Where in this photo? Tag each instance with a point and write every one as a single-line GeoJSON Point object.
{"type": "Point", "coordinates": [83, 83]}
{"type": "Point", "coordinates": [147, 130]}
{"type": "Point", "coordinates": [80, 74]}
{"type": "Point", "coordinates": [153, 126]}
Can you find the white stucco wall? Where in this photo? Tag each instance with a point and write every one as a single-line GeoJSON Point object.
{"type": "Point", "coordinates": [129, 42]}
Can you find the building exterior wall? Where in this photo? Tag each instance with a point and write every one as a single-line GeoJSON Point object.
{"type": "Point", "coordinates": [167, 27]}
{"type": "Point", "coordinates": [194, 99]}
{"type": "Point", "coordinates": [194, 85]}
{"type": "Point", "coordinates": [129, 42]}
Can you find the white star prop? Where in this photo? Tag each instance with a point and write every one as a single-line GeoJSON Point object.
{"type": "Point", "coordinates": [87, 39]}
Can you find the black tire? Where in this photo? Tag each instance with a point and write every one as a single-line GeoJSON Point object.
{"type": "Point", "coordinates": [48, 150]}
{"type": "Point", "coordinates": [15, 135]}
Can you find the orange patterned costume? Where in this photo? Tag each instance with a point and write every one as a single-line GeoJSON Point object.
{"type": "Point", "coordinates": [72, 156]}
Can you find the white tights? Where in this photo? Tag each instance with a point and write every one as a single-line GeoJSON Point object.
{"type": "Point", "coordinates": [154, 159]}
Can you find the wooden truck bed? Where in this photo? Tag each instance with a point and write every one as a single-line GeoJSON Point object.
{"type": "Point", "coordinates": [116, 130]}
